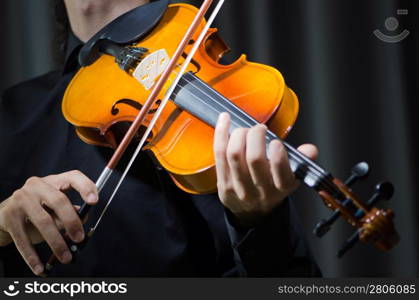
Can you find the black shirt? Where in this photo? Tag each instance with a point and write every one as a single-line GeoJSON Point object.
{"type": "Point", "coordinates": [152, 228]}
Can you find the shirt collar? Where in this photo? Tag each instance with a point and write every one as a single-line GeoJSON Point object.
{"type": "Point", "coordinates": [72, 52]}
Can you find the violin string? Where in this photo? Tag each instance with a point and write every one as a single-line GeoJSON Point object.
{"type": "Point", "coordinates": [160, 109]}
{"type": "Point", "coordinates": [297, 155]}
{"type": "Point", "coordinates": [327, 185]}
{"type": "Point", "coordinates": [304, 163]}
{"type": "Point", "coordinates": [321, 179]}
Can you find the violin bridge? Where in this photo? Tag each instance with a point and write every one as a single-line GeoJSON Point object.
{"type": "Point", "coordinates": [151, 67]}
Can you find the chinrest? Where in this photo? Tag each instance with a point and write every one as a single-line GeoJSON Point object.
{"type": "Point", "coordinates": [129, 27]}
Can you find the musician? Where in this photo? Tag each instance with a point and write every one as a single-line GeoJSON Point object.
{"type": "Point", "coordinates": [152, 228]}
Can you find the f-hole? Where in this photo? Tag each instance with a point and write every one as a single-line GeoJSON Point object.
{"type": "Point", "coordinates": [132, 103]}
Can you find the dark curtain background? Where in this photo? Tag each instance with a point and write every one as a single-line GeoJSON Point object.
{"type": "Point", "coordinates": [357, 94]}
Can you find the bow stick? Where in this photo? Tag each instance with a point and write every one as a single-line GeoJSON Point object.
{"type": "Point", "coordinates": [138, 121]}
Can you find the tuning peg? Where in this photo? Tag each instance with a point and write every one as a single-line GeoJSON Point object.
{"type": "Point", "coordinates": [383, 191]}
{"type": "Point", "coordinates": [353, 239]}
{"type": "Point", "coordinates": [324, 225]}
{"type": "Point", "coordinates": [359, 171]}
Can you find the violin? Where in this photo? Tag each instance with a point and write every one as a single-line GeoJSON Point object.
{"type": "Point", "coordinates": [165, 87]}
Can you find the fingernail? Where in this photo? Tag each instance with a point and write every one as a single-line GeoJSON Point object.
{"type": "Point", "coordinates": [92, 198]}
{"type": "Point", "coordinates": [38, 269]}
{"type": "Point", "coordinates": [79, 236]}
{"type": "Point", "coordinates": [272, 145]}
{"type": "Point", "coordinates": [66, 257]}
{"type": "Point", "coordinates": [275, 143]}
{"type": "Point", "coordinates": [222, 117]}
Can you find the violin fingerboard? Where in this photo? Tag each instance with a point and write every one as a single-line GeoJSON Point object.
{"type": "Point", "coordinates": [199, 99]}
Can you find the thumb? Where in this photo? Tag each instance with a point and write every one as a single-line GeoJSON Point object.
{"type": "Point", "coordinates": [309, 150]}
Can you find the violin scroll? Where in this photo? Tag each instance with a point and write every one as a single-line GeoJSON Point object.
{"type": "Point", "coordinates": [373, 225]}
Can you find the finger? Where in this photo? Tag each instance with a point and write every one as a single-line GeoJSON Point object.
{"type": "Point", "coordinates": [309, 150]}
{"type": "Point", "coordinates": [14, 222]}
{"type": "Point", "coordinates": [236, 158]}
{"type": "Point", "coordinates": [221, 137]}
{"type": "Point", "coordinates": [76, 180]}
{"type": "Point", "coordinates": [256, 157]}
{"type": "Point", "coordinates": [282, 175]}
{"type": "Point", "coordinates": [25, 248]}
{"type": "Point", "coordinates": [58, 223]}
{"type": "Point", "coordinates": [64, 211]}
{"type": "Point", "coordinates": [48, 229]}
{"type": "Point", "coordinates": [59, 207]}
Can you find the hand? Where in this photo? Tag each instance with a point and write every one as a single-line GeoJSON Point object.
{"type": "Point", "coordinates": [37, 212]}
{"type": "Point", "coordinates": [249, 184]}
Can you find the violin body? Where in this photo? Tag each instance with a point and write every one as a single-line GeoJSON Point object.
{"type": "Point", "coordinates": [98, 104]}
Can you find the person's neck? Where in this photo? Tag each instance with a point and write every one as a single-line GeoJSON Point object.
{"type": "Point", "coordinates": [87, 17]}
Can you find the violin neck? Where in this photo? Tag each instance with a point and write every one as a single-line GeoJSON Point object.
{"type": "Point", "coordinates": [199, 99]}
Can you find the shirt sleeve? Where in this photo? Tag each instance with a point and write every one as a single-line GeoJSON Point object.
{"type": "Point", "coordinates": [273, 248]}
